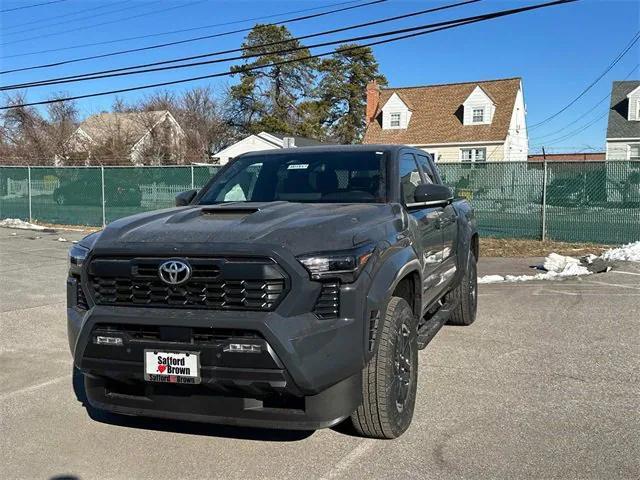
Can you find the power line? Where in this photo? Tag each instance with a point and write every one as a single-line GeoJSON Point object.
{"type": "Point", "coordinates": [6, 10]}
{"type": "Point", "coordinates": [154, 12]}
{"type": "Point", "coordinates": [65, 22]}
{"type": "Point", "coordinates": [575, 132]}
{"type": "Point", "coordinates": [588, 111]}
{"type": "Point", "coordinates": [111, 72]}
{"type": "Point", "coordinates": [150, 47]}
{"type": "Point", "coordinates": [485, 17]}
{"type": "Point", "coordinates": [140, 37]}
{"type": "Point", "coordinates": [633, 41]}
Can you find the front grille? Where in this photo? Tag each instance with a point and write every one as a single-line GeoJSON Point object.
{"type": "Point", "coordinates": [328, 303]}
{"type": "Point", "coordinates": [81, 299]}
{"type": "Point", "coordinates": [154, 333]}
{"type": "Point", "coordinates": [218, 284]}
{"type": "Point", "coordinates": [74, 283]}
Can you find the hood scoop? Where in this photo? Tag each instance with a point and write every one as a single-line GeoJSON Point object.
{"type": "Point", "coordinates": [223, 213]}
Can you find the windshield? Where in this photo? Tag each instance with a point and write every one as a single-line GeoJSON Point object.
{"type": "Point", "coordinates": [319, 177]}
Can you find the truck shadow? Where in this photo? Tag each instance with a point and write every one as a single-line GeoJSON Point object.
{"type": "Point", "coordinates": [188, 428]}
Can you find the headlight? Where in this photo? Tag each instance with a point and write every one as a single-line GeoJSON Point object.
{"type": "Point", "coordinates": [341, 265]}
{"type": "Point", "coordinates": [77, 255]}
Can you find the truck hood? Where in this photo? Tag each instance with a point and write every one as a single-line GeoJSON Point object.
{"type": "Point", "coordinates": [298, 227]}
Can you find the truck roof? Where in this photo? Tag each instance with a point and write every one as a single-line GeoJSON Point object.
{"type": "Point", "coordinates": [329, 148]}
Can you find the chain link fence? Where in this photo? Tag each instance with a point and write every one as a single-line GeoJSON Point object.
{"type": "Point", "coordinates": [568, 201]}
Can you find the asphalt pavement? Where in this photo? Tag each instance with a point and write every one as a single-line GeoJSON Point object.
{"type": "Point", "coordinates": [545, 384]}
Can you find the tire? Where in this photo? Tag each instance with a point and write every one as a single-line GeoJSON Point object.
{"type": "Point", "coordinates": [465, 294]}
{"type": "Point", "coordinates": [388, 392]}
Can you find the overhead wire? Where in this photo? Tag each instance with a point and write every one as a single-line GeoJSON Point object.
{"type": "Point", "coordinates": [414, 32]}
{"type": "Point", "coordinates": [24, 7]}
{"type": "Point", "coordinates": [172, 32]}
{"type": "Point", "coordinates": [613, 63]}
{"type": "Point", "coordinates": [606, 97]}
{"type": "Point", "coordinates": [117, 20]}
{"type": "Point", "coordinates": [113, 72]}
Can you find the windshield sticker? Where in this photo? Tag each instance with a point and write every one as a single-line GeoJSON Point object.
{"type": "Point", "coordinates": [298, 166]}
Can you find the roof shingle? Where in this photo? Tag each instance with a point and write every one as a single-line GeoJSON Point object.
{"type": "Point", "coordinates": [437, 114]}
{"type": "Point", "coordinates": [619, 126]}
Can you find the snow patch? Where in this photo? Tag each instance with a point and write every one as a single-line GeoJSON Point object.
{"type": "Point", "coordinates": [627, 253]}
{"type": "Point", "coordinates": [557, 266]}
{"type": "Point", "coordinates": [20, 224]}
{"type": "Point", "coordinates": [561, 266]}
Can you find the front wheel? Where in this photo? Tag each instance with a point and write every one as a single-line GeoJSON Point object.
{"type": "Point", "coordinates": [465, 295]}
{"type": "Point", "coordinates": [390, 379]}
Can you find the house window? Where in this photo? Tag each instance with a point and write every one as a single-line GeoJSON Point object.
{"type": "Point", "coordinates": [478, 115]}
{"type": "Point", "coordinates": [473, 154]}
{"type": "Point", "coordinates": [634, 152]}
{"type": "Point", "coordinates": [394, 121]}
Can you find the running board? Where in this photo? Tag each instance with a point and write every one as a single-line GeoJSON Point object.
{"type": "Point", "coordinates": [429, 328]}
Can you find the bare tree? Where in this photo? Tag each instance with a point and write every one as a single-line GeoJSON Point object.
{"type": "Point", "coordinates": [203, 121]}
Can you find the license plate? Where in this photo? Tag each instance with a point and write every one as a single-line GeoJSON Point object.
{"type": "Point", "coordinates": [171, 367]}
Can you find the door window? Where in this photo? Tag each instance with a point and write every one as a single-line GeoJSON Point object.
{"type": "Point", "coordinates": [409, 177]}
{"type": "Point", "coordinates": [430, 176]}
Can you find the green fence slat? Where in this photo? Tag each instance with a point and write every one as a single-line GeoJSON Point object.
{"type": "Point", "coordinates": [585, 201]}
{"type": "Point", "coordinates": [68, 196]}
{"type": "Point", "coordinates": [14, 193]}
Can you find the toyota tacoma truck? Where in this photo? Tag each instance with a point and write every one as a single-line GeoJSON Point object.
{"type": "Point", "coordinates": [293, 291]}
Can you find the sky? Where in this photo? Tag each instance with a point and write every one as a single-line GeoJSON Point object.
{"type": "Point", "coordinates": [557, 51]}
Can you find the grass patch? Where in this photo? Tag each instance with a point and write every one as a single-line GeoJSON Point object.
{"type": "Point", "coordinates": [511, 247]}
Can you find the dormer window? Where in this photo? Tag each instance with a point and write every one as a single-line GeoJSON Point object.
{"type": "Point", "coordinates": [478, 115]}
{"type": "Point", "coordinates": [394, 120]}
{"type": "Point", "coordinates": [478, 108]}
{"type": "Point", "coordinates": [395, 113]}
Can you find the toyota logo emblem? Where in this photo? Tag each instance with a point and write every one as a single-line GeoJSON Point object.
{"type": "Point", "coordinates": [174, 272]}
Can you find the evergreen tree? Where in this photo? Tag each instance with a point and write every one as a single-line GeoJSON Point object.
{"type": "Point", "coordinates": [267, 99]}
{"type": "Point", "coordinates": [342, 91]}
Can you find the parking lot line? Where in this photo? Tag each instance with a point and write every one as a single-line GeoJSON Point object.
{"type": "Point", "coordinates": [33, 388]}
{"type": "Point", "coordinates": [625, 273]}
{"type": "Point", "coordinates": [349, 459]}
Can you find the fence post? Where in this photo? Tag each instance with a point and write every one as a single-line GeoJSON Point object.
{"type": "Point", "coordinates": [544, 203]}
{"type": "Point", "coordinates": [104, 213]}
{"type": "Point", "coordinates": [29, 192]}
{"type": "Point", "coordinates": [192, 182]}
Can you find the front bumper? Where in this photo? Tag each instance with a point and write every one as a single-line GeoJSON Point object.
{"type": "Point", "coordinates": [199, 404]}
{"type": "Point", "coordinates": [308, 376]}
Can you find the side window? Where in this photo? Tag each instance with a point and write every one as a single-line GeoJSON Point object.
{"type": "Point", "coordinates": [430, 176]}
{"type": "Point", "coordinates": [240, 187]}
{"type": "Point", "coordinates": [409, 177]}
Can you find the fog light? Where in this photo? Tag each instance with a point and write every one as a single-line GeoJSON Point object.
{"type": "Point", "coordinates": [113, 341]}
{"type": "Point", "coordinates": [242, 348]}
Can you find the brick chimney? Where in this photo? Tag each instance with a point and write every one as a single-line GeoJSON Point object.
{"type": "Point", "coordinates": [373, 98]}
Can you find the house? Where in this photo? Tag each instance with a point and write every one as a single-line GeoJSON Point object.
{"type": "Point", "coordinates": [138, 138]}
{"type": "Point", "coordinates": [459, 122]}
{"type": "Point", "coordinates": [623, 129]}
{"type": "Point", "coordinates": [262, 141]}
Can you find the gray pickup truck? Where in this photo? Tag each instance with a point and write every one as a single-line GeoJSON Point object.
{"type": "Point", "coordinates": [293, 291]}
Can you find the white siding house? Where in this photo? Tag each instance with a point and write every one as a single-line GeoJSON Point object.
{"type": "Point", "coordinates": [623, 128]}
{"type": "Point", "coordinates": [463, 122]}
{"type": "Point", "coordinates": [261, 141]}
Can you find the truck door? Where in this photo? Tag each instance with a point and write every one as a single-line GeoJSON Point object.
{"type": "Point", "coordinates": [448, 224]}
{"type": "Point", "coordinates": [427, 225]}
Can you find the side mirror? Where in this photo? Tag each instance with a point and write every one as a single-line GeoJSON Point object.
{"type": "Point", "coordinates": [432, 194]}
{"type": "Point", "coordinates": [184, 198]}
